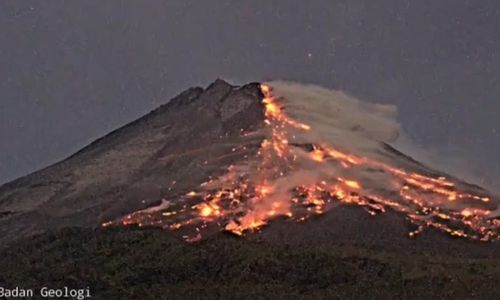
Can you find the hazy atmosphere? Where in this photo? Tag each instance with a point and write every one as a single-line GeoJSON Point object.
{"type": "Point", "coordinates": [73, 71]}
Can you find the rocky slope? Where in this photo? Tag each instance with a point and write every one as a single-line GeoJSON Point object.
{"type": "Point", "coordinates": [162, 154]}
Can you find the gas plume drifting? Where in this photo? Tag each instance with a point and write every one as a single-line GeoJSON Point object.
{"type": "Point", "coordinates": [335, 116]}
{"type": "Point", "coordinates": [323, 148]}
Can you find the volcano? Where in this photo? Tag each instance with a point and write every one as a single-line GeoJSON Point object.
{"type": "Point", "coordinates": [283, 161]}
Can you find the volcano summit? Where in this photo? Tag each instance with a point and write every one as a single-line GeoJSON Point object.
{"type": "Point", "coordinates": [248, 159]}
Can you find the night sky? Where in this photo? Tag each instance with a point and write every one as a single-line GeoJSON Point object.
{"type": "Point", "coordinates": [71, 71]}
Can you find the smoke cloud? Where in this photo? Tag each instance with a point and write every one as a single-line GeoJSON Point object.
{"type": "Point", "coordinates": [337, 117]}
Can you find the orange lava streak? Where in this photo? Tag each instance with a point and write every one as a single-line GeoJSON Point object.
{"type": "Point", "coordinates": [273, 110]}
{"type": "Point", "coordinates": [247, 201]}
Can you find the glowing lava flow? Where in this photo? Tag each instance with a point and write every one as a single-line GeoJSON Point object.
{"type": "Point", "coordinates": [275, 184]}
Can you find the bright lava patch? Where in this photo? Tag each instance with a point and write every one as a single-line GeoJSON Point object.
{"type": "Point", "coordinates": [297, 174]}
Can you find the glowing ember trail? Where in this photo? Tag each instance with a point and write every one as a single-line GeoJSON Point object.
{"type": "Point", "coordinates": [296, 174]}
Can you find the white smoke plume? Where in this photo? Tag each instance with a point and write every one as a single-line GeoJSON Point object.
{"type": "Point", "coordinates": [337, 117]}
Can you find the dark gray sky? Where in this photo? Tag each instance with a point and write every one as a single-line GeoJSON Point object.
{"type": "Point", "coordinates": [71, 71]}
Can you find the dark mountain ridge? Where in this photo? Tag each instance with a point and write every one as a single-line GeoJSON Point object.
{"type": "Point", "coordinates": [135, 165]}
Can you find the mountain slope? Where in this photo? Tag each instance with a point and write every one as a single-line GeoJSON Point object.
{"type": "Point", "coordinates": [234, 139]}
{"type": "Point", "coordinates": [159, 155]}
